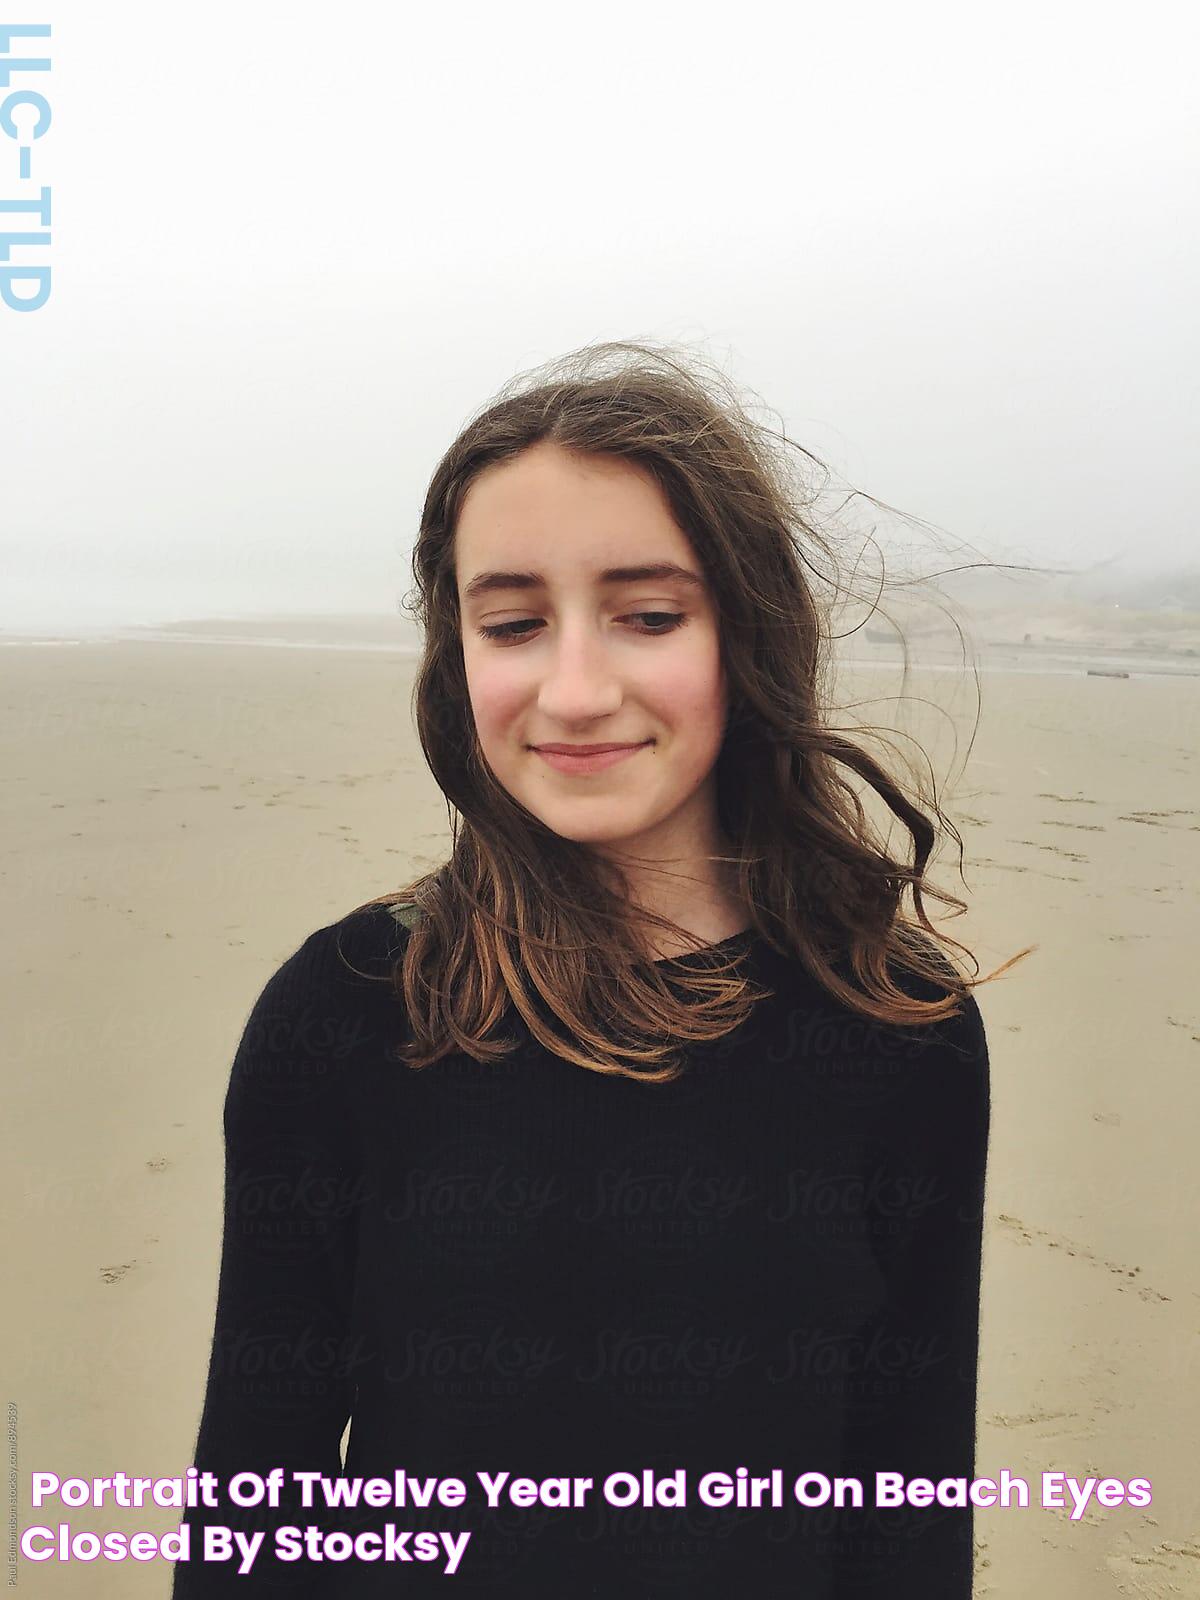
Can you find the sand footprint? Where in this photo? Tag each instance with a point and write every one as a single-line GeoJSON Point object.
{"type": "Point", "coordinates": [115, 1274]}
{"type": "Point", "coordinates": [1069, 855]}
{"type": "Point", "coordinates": [1029, 1235]}
{"type": "Point", "coordinates": [1144, 1572]}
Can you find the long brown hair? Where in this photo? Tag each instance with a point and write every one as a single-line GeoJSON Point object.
{"type": "Point", "coordinates": [519, 915]}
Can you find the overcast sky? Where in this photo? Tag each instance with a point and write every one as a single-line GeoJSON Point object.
{"type": "Point", "coordinates": [294, 247]}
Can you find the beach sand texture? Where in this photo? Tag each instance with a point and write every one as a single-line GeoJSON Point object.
{"type": "Point", "coordinates": [179, 816]}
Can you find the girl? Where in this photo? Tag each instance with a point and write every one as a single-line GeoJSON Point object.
{"type": "Point", "coordinates": [638, 1151]}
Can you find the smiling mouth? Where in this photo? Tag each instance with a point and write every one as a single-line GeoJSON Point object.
{"type": "Point", "coordinates": [586, 749]}
{"type": "Point", "coordinates": [582, 759]}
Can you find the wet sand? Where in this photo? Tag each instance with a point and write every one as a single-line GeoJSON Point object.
{"type": "Point", "coordinates": [179, 816]}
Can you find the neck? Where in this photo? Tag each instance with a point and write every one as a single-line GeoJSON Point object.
{"type": "Point", "coordinates": [700, 896]}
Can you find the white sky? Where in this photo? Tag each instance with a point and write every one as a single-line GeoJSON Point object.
{"type": "Point", "coordinates": [294, 247]}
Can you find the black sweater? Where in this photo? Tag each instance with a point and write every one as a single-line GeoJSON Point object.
{"type": "Point", "coordinates": [772, 1262]}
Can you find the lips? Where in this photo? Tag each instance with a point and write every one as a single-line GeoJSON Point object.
{"type": "Point", "coordinates": [578, 759]}
{"type": "Point", "coordinates": [586, 749]}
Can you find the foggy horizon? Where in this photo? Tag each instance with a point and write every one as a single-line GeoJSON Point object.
{"type": "Point", "coordinates": [969, 292]}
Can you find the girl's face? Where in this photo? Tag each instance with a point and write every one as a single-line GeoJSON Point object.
{"type": "Point", "coordinates": [562, 649]}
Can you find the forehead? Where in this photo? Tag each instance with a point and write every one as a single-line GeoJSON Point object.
{"type": "Point", "coordinates": [565, 513]}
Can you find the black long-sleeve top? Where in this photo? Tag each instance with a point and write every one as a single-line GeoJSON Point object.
{"type": "Point", "coordinates": [772, 1262]}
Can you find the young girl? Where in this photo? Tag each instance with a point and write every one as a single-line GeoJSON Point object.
{"type": "Point", "coordinates": [637, 1152]}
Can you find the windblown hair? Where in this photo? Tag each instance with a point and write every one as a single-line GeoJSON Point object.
{"type": "Point", "coordinates": [520, 916]}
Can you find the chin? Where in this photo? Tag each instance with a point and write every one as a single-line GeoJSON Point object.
{"type": "Point", "coordinates": [601, 831]}
{"type": "Point", "coordinates": [580, 833]}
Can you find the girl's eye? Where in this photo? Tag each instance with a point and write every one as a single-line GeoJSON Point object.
{"type": "Point", "coordinates": [507, 630]}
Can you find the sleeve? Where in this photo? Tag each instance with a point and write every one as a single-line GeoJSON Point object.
{"type": "Point", "coordinates": [281, 1374]}
{"type": "Point", "coordinates": [913, 1408]}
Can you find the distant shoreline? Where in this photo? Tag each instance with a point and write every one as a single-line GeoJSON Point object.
{"type": "Point", "coordinates": [388, 636]}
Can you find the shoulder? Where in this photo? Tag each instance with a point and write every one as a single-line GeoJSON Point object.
{"type": "Point", "coordinates": [371, 938]}
{"type": "Point", "coordinates": [939, 1077]}
{"type": "Point", "coordinates": [357, 949]}
{"type": "Point", "coordinates": [963, 1033]}
{"type": "Point", "coordinates": [320, 1009]}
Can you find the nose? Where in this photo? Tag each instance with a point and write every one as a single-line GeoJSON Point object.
{"type": "Point", "coordinates": [580, 682]}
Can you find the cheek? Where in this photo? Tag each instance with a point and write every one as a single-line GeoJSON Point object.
{"type": "Point", "coordinates": [689, 693]}
{"type": "Point", "coordinates": [496, 692]}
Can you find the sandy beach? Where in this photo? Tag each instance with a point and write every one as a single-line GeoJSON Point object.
{"type": "Point", "coordinates": [179, 815]}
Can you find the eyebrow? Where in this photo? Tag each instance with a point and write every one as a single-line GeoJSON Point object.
{"type": "Point", "coordinates": [488, 582]}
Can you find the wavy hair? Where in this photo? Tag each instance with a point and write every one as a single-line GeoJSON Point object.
{"type": "Point", "coordinates": [519, 916]}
